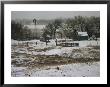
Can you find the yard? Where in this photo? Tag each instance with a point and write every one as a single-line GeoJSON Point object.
{"type": "Point", "coordinates": [39, 59]}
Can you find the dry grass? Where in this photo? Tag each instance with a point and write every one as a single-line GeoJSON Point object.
{"type": "Point", "coordinates": [43, 60]}
{"type": "Point", "coordinates": [84, 55]}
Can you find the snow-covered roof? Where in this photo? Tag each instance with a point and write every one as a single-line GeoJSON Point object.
{"type": "Point", "coordinates": [82, 34]}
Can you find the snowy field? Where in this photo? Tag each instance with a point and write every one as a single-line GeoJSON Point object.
{"type": "Point", "coordinates": [35, 58]}
{"type": "Point", "coordinates": [70, 70]}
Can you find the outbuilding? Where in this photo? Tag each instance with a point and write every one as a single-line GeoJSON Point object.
{"type": "Point", "coordinates": [82, 36]}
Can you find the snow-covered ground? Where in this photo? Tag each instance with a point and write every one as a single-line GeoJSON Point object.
{"type": "Point", "coordinates": [52, 49]}
{"type": "Point", "coordinates": [70, 70]}
{"type": "Point", "coordinates": [52, 43]}
{"type": "Point", "coordinates": [23, 54]}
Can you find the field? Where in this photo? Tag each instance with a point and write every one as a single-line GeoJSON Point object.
{"type": "Point", "coordinates": [36, 59]}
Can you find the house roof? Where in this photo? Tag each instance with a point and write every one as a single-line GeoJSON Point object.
{"type": "Point", "coordinates": [82, 34]}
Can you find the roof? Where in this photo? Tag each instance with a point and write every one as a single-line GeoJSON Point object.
{"type": "Point", "coordinates": [82, 34]}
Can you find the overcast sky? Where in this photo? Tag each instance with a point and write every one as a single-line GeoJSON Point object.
{"type": "Point", "coordinates": [51, 14]}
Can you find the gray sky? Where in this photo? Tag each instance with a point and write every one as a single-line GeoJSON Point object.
{"type": "Point", "coordinates": [51, 14]}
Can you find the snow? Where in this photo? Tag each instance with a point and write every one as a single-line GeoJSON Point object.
{"type": "Point", "coordinates": [20, 50]}
{"type": "Point", "coordinates": [18, 71]}
{"type": "Point", "coordinates": [88, 43]}
{"type": "Point", "coordinates": [70, 70]}
{"type": "Point", "coordinates": [52, 43]}
{"type": "Point", "coordinates": [35, 27]}
{"type": "Point", "coordinates": [53, 52]}
{"type": "Point", "coordinates": [82, 33]}
{"type": "Point", "coordinates": [51, 48]}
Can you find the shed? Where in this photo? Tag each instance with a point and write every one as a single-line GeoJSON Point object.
{"type": "Point", "coordinates": [82, 36]}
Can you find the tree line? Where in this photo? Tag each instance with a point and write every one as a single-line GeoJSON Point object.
{"type": "Point", "coordinates": [19, 32]}
{"type": "Point", "coordinates": [70, 27]}
{"type": "Point", "coordinates": [67, 28]}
